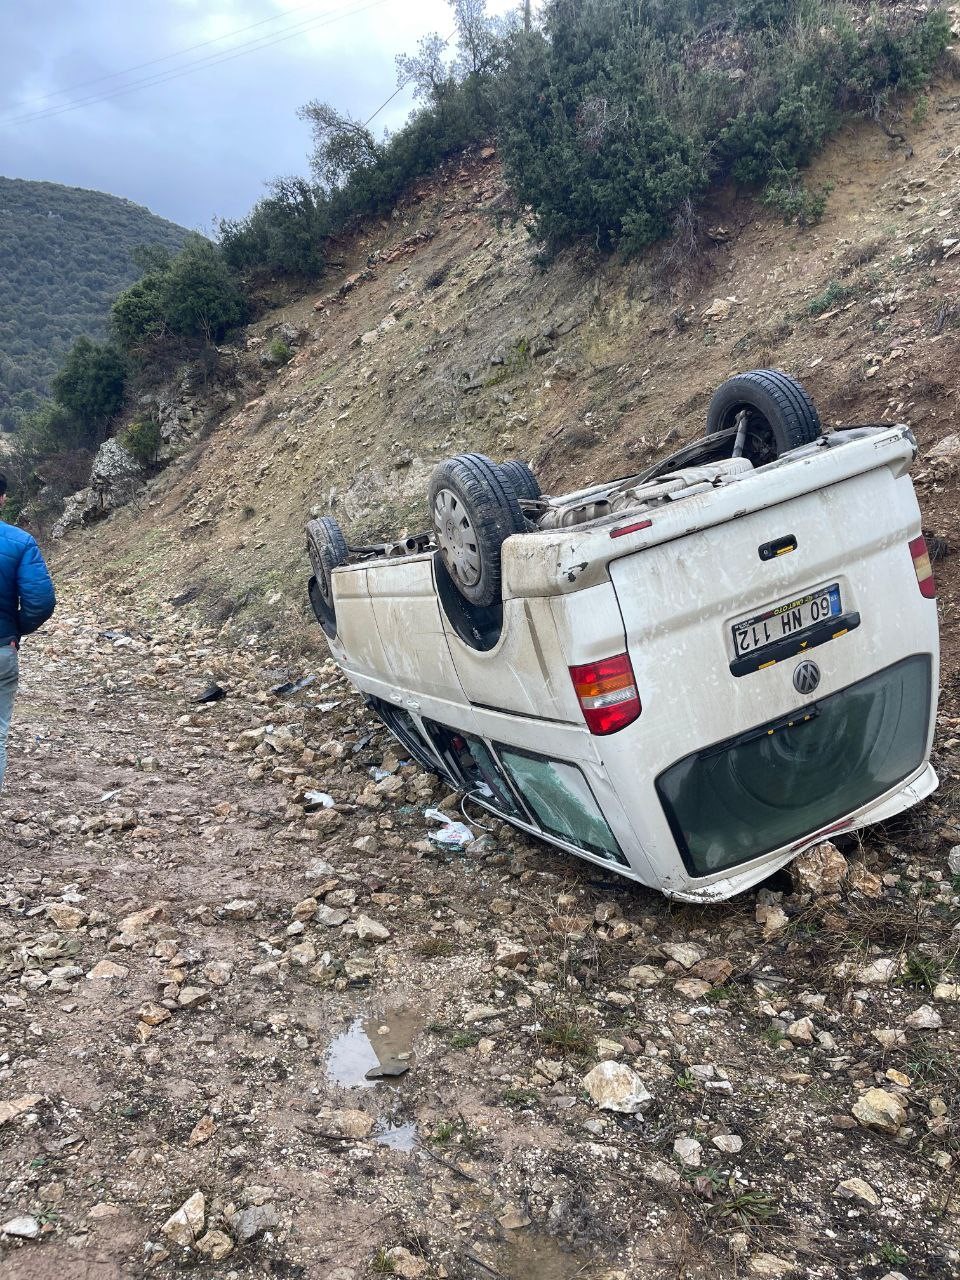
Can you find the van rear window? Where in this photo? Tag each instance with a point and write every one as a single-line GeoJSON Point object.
{"type": "Point", "coordinates": [783, 780]}
{"type": "Point", "coordinates": [560, 799]}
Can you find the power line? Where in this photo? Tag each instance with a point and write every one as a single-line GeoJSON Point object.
{"type": "Point", "coordinates": [400, 88]}
{"type": "Point", "coordinates": [252, 46]}
{"type": "Point", "coordinates": [177, 53]}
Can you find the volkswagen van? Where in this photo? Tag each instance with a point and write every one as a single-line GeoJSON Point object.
{"type": "Point", "coordinates": [686, 676]}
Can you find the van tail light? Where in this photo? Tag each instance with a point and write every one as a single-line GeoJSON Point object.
{"type": "Point", "coordinates": [923, 567]}
{"type": "Point", "coordinates": [607, 692]}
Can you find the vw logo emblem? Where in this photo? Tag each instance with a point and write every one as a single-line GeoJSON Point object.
{"type": "Point", "coordinates": [806, 677]}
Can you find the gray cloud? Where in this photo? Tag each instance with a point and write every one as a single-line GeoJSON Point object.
{"type": "Point", "coordinates": [201, 145]}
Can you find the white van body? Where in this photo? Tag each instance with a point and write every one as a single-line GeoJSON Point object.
{"type": "Point", "coordinates": [718, 582]}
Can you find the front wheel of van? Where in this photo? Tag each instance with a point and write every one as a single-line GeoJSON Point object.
{"type": "Point", "coordinates": [474, 509]}
{"type": "Point", "coordinates": [780, 414]}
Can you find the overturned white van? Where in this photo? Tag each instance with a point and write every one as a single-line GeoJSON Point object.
{"type": "Point", "coordinates": [687, 676]}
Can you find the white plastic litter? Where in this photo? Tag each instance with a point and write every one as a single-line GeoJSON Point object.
{"type": "Point", "coordinates": [319, 799]}
{"type": "Point", "coordinates": [452, 835]}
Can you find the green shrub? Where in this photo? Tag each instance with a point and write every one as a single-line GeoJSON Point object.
{"type": "Point", "coordinates": [278, 351]}
{"type": "Point", "coordinates": [285, 232]}
{"type": "Point", "coordinates": [136, 315]}
{"type": "Point", "coordinates": [192, 296]}
{"type": "Point", "coordinates": [91, 383]}
{"type": "Point", "coordinates": [788, 195]}
{"type": "Point", "coordinates": [616, 115]}
{"type": "Point", "coordinates": [142, 440]}
{"type": "Point", "coordinates": [198, 296]}
{"type": "Point", "coordinates": [834, 295]}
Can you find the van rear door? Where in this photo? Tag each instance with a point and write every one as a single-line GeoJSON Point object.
{"type": "Point", "coordinates": [687, 605]}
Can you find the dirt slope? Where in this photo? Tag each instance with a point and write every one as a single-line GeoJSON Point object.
{"type": "Point", "coordinates": [199, 961]}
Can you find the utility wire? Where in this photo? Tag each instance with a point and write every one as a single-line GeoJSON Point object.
{"type": "Point", "coordinates": [400, 88]}
{"type": "Point", "coordinates": [200, 64]}
{"type": "Point", "coordinates": [177, 53]}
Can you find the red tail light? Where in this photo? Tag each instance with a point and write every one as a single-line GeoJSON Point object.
{"type": "Point", "coordinates": [923, 567]}
{"type": "Point", "coordinates": [607, 692]}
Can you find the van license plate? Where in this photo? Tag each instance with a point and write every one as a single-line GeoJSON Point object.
{"type": "Point", "coordinates": [786, 619]}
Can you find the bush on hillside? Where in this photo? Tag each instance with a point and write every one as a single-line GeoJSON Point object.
{"type": "Point", "coordinates": [615, 114]}
{"type": "Point", "coordinates": [192, 296]}
{"type": "Point", "coordinates": [142, 440]}
{"type": "Point", "coordinates": [199, 297]}
{"type": "Point", "coordinates": [285, 232]}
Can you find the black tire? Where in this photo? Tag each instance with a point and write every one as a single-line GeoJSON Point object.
{"type": "Point", "coordinates": [327, 548]}
{"type": "Point", "coordinates": [321, 610]}
{"type": "Point", "coordinates": [525, 483]}
{"type": "Point", "coordinates": [474, 509]}
{"type": "Point", "coordinates": [780, 414]}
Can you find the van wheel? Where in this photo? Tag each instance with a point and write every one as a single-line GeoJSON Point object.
{"type": "Point", "coordinates": [474, 509]}
{"type": "Point", "coordinates": [327, 548]}
{"type": "Point", "coordinates": [780, 414]}
{"type": "Point", "coordinates": [321, 610]}
{"type": "Point", "coordinates": [525, 483]}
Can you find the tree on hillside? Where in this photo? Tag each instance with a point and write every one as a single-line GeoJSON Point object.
{"type": "Point", "coordinates": [427, 69]}
{"type": "Point", "coordinates": [137, 316]}
{"type": "Point", "coordinates": [90, 384]}
{"type": "Point", "coordinates": [341, 145]}
{"type": "Point", "coordinates": [198, 296]}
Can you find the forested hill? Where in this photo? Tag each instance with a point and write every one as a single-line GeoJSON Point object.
{"type": "Point", "coordinates": [65, 253]}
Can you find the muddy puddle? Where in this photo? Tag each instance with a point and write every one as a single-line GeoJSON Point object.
{"type": "Point", "coordinates": [373, 1049]}
{"type": "Point", "coordinates": [531, 1256]}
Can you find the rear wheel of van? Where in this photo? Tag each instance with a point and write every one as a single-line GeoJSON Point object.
{"type": "Point", "coordinates": [521, 476]}
{"type": "Point", "coordinates": [474, 509]}
{"type": "Point", "coordinates": [780, 414]}
{"type": "Point", "coordinates": [327, 548]}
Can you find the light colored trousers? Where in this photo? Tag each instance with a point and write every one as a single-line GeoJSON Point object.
{"type": "Point", "coordinates": [9, 673]}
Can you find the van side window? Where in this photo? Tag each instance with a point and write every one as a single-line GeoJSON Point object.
{"type": "Point", "coordinates": [473, 761]}
{"type": "Point", "coordinates": [560, 798]}
{"type": "Point", "coordinates": [403, 727]}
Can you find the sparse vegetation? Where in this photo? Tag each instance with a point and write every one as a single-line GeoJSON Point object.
{"type": "Point", "coordinates": [744, 1208]}
{"type": "Point", "coordinates": [789, 196]}
{"type": "Point", "coordinates": [278, 351]}
{"type": "Point", "coordinates": [564, 1033]}
{"type": "Point", "coordinates": [834, 295]}
{"type": "Point", "coordinates": [382, 1264]}
{"type": "Point", "coordinates": [142, 440]}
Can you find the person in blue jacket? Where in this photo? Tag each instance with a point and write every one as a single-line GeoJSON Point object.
{"type": "Point", "coordinates": [26, 602]}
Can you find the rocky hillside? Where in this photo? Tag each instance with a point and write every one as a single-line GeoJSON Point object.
{"type": "Point", "coordinates": [224, 904]}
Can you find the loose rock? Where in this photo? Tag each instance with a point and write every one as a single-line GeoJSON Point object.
{"type": "Point", "coordinates": [614, 1086]}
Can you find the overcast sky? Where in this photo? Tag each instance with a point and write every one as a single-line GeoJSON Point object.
{"type": "Point", "coordinates": [198, 146]}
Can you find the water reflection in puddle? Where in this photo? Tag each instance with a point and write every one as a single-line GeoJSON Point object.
{"type": "Point", "coordinates": [378, 1048]}
{"type": "Point", "coordinates": [401, 1137]}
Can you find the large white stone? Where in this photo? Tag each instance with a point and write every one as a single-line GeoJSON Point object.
{"type": "Point", "coordinates": [616, 1087]}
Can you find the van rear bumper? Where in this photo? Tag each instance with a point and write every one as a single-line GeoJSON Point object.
{"type": "Point", "coordinates": [923, 784]}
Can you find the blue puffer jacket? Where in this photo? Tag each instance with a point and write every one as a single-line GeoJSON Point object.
{"type": "Point", "coordinates": [26, 591]}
